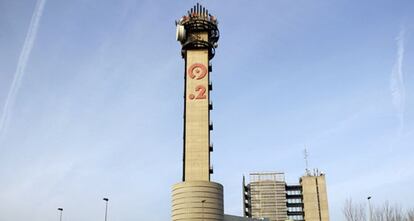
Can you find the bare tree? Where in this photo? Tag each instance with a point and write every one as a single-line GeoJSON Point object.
{"type": "Point", "coordinates": [354, 212]}
{"type": "Point", "coordinates": [386, 212]}
{"type": "Point", "coordinates": [389, 213]}
{"type": "Point", "coordinates": [410, 215]}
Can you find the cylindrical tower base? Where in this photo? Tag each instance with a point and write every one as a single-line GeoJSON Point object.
{"type": "Point", "coordinates": [197, 200]}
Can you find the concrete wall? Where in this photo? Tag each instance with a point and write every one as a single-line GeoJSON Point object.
{"type": "Point", "coordinates": [197, 117]}
{"type": "Point", "coordinates": [315, 199]}
{"type": "Point", "coordinates": [239, 218]}
{"type": "Point", "coordinates": [268, 199]}
{"type": "Point", "coordinates": [197, 201]}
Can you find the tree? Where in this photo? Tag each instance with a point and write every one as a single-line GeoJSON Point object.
{"type": "Point", "coordinates": [354, 212]}
{"type": "Point", "coordinates": [386, 212]}
{"type": "Point", "coordinates": [410, 215]}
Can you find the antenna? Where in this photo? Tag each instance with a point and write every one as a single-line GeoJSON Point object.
{"type": "Point", "coordinates": [305, 154]}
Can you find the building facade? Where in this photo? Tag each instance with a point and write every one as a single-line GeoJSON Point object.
{"type": "Point", "coordinates": [197, 197]}
{"type": "Point", "coordinates": [315, 198]}
{"type": "Point", "coordinates": [267, 195]}
{"type": "Point", "coordinates": [238, 218]}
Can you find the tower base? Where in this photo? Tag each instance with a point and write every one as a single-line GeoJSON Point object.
{"type": "Point", "coordinates": [197, 201]}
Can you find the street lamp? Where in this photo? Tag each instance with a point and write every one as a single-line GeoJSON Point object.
{"type": "Point", "coordinates": [369, 207]}
{"type": "Point", "coordinates": [106, 207]}
{"type": "Point", "coordinates": [202, 208]}
{"type": "Point", "coordinates": [60, 213]}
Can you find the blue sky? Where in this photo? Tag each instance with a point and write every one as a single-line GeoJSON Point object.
{"type": "Point", "coordinates": [91, 102]}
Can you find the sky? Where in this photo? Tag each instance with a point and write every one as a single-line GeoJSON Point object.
{"type": "Point", "coordinates": [91, 102]}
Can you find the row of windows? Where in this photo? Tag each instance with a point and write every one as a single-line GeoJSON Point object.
{"type": "Point", "coordinates": [273, 191]}
{"type": "Point", "coordinates": [254, 201]}
{"type": "Point", "coordinates": [293, 192]}
{"type": "Point", "coordinates": [295, 209]}
{"type": "Point", "coordinates": [295, 200]}
{"type": "Point", "coordinates": [278, 207]}
{"type": "Point", "coordinates": [296, 217]}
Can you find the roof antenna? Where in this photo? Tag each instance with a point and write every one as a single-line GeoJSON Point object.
{"type": "Point", "coordinates": [305, 153]}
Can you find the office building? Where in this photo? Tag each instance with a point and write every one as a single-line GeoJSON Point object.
{"type": "Point", "coordinates": [267, 195]}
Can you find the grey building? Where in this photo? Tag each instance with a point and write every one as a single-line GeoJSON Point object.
{"type": "Point", "coordinates": [238, 218]}
{"type": "Point", "coordinates": [267, 195]}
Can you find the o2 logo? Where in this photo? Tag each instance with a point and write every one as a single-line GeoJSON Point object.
{"type": "Point", "coordinates": [198, 71]}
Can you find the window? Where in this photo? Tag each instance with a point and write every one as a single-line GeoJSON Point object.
{"type": "Point", "coordinates": [295, 200]}
{"type": "Point", "coordinates": [295, 209]}
{"type": "Point", "coordinates": [293, 192]}
{"type": "Point", "coordinates": [296, 217]}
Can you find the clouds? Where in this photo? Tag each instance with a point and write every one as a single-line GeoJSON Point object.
{"type": "Point", "coordinates": [397, 82]}
{"type": "Point", "coordinates": [99, 112]}
{"type": "Point", "coordinates": [21, 66]}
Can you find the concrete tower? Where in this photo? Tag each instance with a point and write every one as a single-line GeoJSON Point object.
{"type": "Point", "coordinates": [315, 198]}
{"type": "Point", "coordinates": [196, 197]}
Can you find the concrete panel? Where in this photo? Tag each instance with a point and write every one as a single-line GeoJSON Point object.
{"type": "Point", "coordinates": [197, 118]}
{"type": "Point", "coordinates": [197, 200]}
{"type": "Point", "coordinates": [315, 200]}
{"type": "Point", "coordinates": [238, 218]}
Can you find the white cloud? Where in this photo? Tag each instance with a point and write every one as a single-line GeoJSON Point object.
{"type": "Point", "coordinates": [397, 82]}
{"type": "Point", "coordinates": [21, 66]}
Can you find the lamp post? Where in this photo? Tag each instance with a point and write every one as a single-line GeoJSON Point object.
{"type": "Point", "coordinates": [369, 208]}
{"type": "Point", "coordinates": [202, 208]}
{"type": "Point", "coordinates": [106, 207]}
{"type": "Point", "coordinates": [60, 213]}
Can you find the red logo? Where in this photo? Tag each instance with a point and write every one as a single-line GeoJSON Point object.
{"type": "Point", "coordinates": [197, 71]}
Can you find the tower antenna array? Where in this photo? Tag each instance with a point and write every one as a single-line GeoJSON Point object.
{"type": "Point", "coordinates": [306, 154]}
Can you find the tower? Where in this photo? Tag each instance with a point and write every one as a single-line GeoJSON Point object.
{"type": "Point", "coordinates": [196, 197]}
{"type": "Point", "coordinates": [315, 198]}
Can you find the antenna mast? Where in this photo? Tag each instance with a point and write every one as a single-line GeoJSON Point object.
{"type": "Point", "coordinates": [305, 153]}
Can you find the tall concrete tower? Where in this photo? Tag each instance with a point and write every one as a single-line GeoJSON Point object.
{"type": "Point", "coordinates": [196, 197]}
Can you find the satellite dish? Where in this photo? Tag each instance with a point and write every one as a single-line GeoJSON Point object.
{"type": "Point", "coordinates": [180, 33]}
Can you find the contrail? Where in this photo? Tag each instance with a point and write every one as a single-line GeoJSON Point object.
{"type": "Point", "coordinates": [397, 82]}
{"type": "Point", "coordinates": [21, 65]}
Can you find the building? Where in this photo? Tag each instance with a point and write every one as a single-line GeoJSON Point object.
{"type": "Point", "coordinates": [315, 198]}
{"type": "Point", "coordinates": [294, 202]}
{"type": "Point", "coordinates": [266, 196]}
{"type": "Point", "coordinates": [238, 218]}
{"type": "Point", "coordinates": [197, 197]}
{"type": "Point", "coordinates": [269, 196]}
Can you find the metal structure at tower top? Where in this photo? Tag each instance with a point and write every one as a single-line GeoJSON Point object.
{"type": "Point", "coordinates": [197, 20]}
